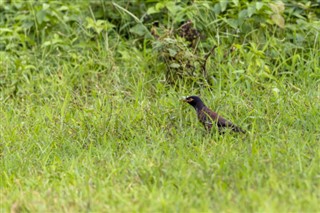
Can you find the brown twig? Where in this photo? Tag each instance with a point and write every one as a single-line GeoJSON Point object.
{"type": "Point", "coordinates": [227, 53]}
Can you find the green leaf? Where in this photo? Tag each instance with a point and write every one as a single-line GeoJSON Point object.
{"type": "Point", "coordinates": [217, 9]}
{"type": "Point", "coordinates": [243, 14]}
{"type": "Point", "coordinates": [152, 10]}
{"type": "Point", "coordinates": [45, 6]}
{"type": "Point", "coordinates": [172, 52]}
{"type": "Point", "coordinates": [174, 65]}
{"type": "Point", "coordinates": [159, 6]}
{"type": "Point", "coordinates": [259, 5]}
{"type": "Point", "coordinates": [5, 30]}
{"type": "Point", "coordinates": [251, 11]}
{"type": "Point", "coordinates": [223, 5]}
{"type": "Point", "coordinates": [277, 7]}
{"type": "Point", "coordinates": [232, 23]}
{"type": "Point", "coordinates": [172, 7]}
{"type": "Point", "coordinates": [138, 29]}
{"type": "Point", "coordinates": [41, 16]}
{"type": "Point", "coordinates": [170, 40]}
{"type": "Point", "coordinates": [235, 2]}
{"type": "Point", "coordinates": [278, 20]}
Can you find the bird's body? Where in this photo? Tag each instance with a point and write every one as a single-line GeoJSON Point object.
{"type": "Point", "coordinates": [208, 118]}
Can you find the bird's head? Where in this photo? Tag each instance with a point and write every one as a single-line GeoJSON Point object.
{"type": "Point", "coordinates": [194, 101]}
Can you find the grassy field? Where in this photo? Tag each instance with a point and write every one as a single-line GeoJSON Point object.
{"type": "Point", "coordinates": [98, 129]}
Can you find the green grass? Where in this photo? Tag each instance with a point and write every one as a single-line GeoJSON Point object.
{"type": "Point", "coordinates": [95, 127]}
{"type": "Point", "coordinates": [116, 138]}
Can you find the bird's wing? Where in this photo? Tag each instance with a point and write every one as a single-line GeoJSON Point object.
{"type": "Point", "coordinates": [208, 118]}
{"type": "Point", "coordinates": [221, 122]}
{"type": "Point", "coordinates": [224, 123]}
{"type": "Point", "coordinates": [210, 115]}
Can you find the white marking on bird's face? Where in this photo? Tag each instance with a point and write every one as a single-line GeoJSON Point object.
{"type": "Point", "coordinates": [189, 100]}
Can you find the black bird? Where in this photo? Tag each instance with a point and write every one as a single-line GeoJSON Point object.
{"type": "Point", "coordinates": [208, 117]}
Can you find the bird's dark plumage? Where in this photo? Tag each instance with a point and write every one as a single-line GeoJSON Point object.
{"type": "Point", "coordinates": [208, 117]}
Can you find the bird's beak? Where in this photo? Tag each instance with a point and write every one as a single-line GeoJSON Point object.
{"type": "Point", "coordinates": [187, 100]}
{"type": "Point", "coordinates": [184, 99]}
